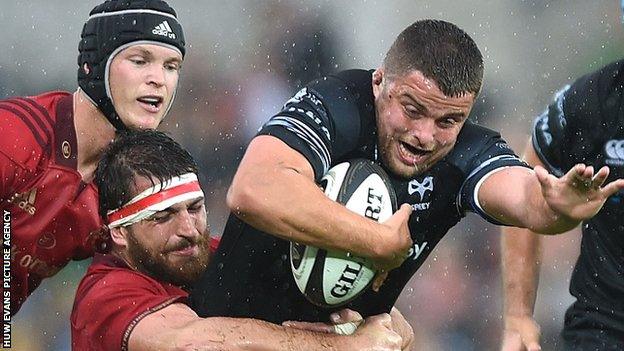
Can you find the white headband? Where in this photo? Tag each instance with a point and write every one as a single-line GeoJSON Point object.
{"type": "Point", "coordinates": [156, 198]}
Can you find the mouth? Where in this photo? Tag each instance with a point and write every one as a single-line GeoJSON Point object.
{"type": "Point", "coordinates": [187, 250]}
{"type": "Point", "coordinates": [151, 103]}
{"type": "Point", "coordinates": [412, 155]}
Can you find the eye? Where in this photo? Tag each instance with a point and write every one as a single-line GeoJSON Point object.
{"type": "Point", "coordinates": [195, 208]}
{"type": "Point", "coordinates": [448, 122]}
{"type": "Point", "coordinates": [138, 61]}
{"type": "Point", "coordinates": [411, 110]}
{"type": "Point", "coordinates": [172, 66]}
{"type": "Point", "coordinates": [160, 217]}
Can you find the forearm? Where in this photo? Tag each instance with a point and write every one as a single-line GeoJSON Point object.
{"type": "Point", "coordinates": [520, 252]}
{"type": "Point", "coordinates": [177, 327]}
{"type": "Point", "coordinates": [221, 333]}
{"type": "Point", "coordinates": [539, 217]}
{"type": "Point", "coordinates": [522, 204]}
{"type": "Point", "coordinates": [274, 191]}
{"type": "Point", "coordinates": [277, 208]}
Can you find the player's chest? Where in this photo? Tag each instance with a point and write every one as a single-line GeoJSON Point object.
{"type": "Point", "coordinates": [433, 197]}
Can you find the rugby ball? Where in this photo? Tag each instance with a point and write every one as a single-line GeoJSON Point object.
{"type": "Point", "coordinates": [330, 278]}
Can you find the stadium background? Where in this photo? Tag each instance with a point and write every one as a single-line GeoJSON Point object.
{"type": "Point", "coordinates": [246, 57]}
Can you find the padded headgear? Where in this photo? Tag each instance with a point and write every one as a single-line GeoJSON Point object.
{"type": "Point", "coordinates": [113, 26]}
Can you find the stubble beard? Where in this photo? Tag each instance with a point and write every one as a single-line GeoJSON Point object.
{"type": "Point", "coordinates": [158, 267]}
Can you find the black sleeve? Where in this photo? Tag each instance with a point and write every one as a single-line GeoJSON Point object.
{"type": "Point", "coordinates": [479, 152]}
{"type": "Point", "coordinates": [582, 115]}
{"type": "Point", "coordinates": [323, 121]}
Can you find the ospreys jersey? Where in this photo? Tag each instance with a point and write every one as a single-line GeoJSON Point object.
{"type": "Point", "coordinates": [330, 121]}
{"type": "Point", "coordinates": [586, 124]}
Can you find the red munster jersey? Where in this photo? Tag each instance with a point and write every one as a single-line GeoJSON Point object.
{"type": "Point", "coordinates": [52, 211]}
{"type": "Point", "coordinates": [111, 299]}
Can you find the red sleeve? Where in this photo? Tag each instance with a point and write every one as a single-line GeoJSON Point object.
{"type": "Point", "coordinates": [106, 312]}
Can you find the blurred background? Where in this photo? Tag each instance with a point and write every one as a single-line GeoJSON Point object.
{"type": "Point", "coordinates": [245, 58]}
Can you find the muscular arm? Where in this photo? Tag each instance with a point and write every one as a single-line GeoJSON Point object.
{"type": "Point", "coordinates": [542, 202]}
{"type": "Point", "coordinates": [274, 191]}
{"type": "Point", "coordinates": [177, 327]}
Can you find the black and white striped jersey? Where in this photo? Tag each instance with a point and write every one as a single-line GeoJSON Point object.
{"type": "Point", "coordinates": [329, 121]}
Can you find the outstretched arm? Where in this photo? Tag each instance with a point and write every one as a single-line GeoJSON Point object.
{"type": "Point", "coordinates": [542, 202]}
{"type": "Point", "coordinates": [274, 191]}
{"type": "Point", "coordinates": [177, 327]}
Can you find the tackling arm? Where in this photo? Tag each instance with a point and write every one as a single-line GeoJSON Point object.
{"type": "Point", "coordinates": [177, 327]}
{"type": "Point", "coordinates": [274, 191]}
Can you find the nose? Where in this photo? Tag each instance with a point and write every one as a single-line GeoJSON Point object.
{"type": "Point", "coordinates": [156, 75]}
{"type": "Point", "coordinates": [423, 130]}
{"type": "Point", "coordinates": [186, 225]}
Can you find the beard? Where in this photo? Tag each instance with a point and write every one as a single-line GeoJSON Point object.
{"type": "Point", "coordinates": [156, 264]}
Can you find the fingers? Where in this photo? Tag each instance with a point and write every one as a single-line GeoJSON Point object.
{"type": "Point", "coordinates": [380, 278]}
{"type": "Point", "coordinates": [344, 316]}
{"type": "Point", "coordinates": [383, 319]}
{"type": "Point", "coordinates": [600, 177]}
{"type": "Point", "coordinates": [533, 347]}
{"type": "Point", "coordinates": [315, 327]}
{"type": "Point", "coordinates": [512, 341]}
{"type": "Point", "coordinates": [405, 210]}
{"type": "Point", "coordinates": [542, 176]}
{"type": "Point", "coordinates": [347, 328]}
{"type": "Point", "coordinates": [613, 187]}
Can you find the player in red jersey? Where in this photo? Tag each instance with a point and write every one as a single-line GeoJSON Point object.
{"type": "Point", "coordinates": [133, 298]}
{"type": "Point", "coordinates": [129, 60]}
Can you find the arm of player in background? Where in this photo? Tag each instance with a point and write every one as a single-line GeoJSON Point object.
{"type": "Point", "coordinates": [178, 327]}
{"type": "Point", "coordinates": [520, 258]}
{"type": "Point", "coordinates": [542, 202]}
{"type": "Point", "coordinates": [274, 191]}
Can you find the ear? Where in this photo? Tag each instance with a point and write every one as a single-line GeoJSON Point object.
{"type": "Point", "coordinates": [119, 236]}
{"type": "Point", "coordinates": [85, 68]}
{"type": "Point", "coordinates": [378, 76]}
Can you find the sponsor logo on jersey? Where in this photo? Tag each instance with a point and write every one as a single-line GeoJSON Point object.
{"type": "Point", "coordinates": [560, 100]}
{"type": "Point", "coordinates": [416, 251]}
{"type": "Point", "coordinates": [25, 200]}
{"type": "Point", "coordinates": [164, 29]}
{"type": "Point", "coordinates": [32, 263]}
{"type": "Point", "coordinates": [421, 188]}
{"type": "Point", "coordinates": [614, 151]}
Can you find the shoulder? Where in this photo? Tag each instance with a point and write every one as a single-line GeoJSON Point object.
{"type": "Point", "coordinates": [100, 280]}
{"type": "Point", "coordinates": [116, 287]}
{"type": "Point", "coordinates": [344, 93]}
{"type": "Point", "coordinates": [480, 148]}
{"type": "Point", "coordinates": [27, 127]}
{"type": "Point", "coordinates": [110, 300]}
{"type": "Point", "coordinates": [473, 139]}
{"type": "Point", "coordinates": [583, 114]}
{"type": "Point", "coordinates": [594, 98]}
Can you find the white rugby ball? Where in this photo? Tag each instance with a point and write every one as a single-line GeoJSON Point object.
{"type": "Point", "coordinates": [331, 278]}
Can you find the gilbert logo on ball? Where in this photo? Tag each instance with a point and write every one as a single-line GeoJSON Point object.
{"type": "Point", "coordinates": [331, 278]}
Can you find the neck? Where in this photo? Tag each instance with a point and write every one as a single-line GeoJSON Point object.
{"type": "Point", "coordinates": [122, 254]}
{"type": "Point", "coordinates": [93, 133]}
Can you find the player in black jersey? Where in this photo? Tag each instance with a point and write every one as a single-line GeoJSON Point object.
{"type": "Point", "coordinates": [410, 117]}
{"type": "Point", "coordinates": [585, 123]}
